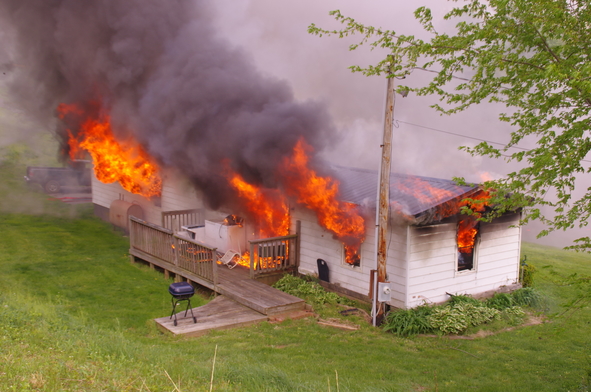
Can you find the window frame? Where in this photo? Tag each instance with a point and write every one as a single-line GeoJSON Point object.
{"type": "Point", "coordinates": [475, 250]}
{"type": "Point", "coordinates": [344, 262]}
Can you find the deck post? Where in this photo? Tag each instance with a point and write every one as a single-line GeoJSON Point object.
{"type": "Point", "coordinates": [297, 245]}
{"type": "Point", "coordinates": [214, 268]}
{"type": "Point", "coordinates": [175, 252]}
{"type": "Point", "coordinates": [252, 260]}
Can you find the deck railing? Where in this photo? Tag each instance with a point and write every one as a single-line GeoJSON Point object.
{"type": "Point", "coordinates": [174, 220]}
{"type": "Point", "coordinates": [269, 255]}
{"type": "Point", "coordinates": [162, 244]}
{"type": "Point", "coordinates": [196, 258]}
{"type": "Point", "coordinates": [154, 240]}
{"type": "Point", "coordinates": [272, 255]}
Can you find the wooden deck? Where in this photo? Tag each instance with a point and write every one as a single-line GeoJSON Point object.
{"type": "Point", "coordinates": [220, 313]}
{"type": "Point", "coordinates": [244, 299]}
{"type": "Point", "coordinates": [242, 302]}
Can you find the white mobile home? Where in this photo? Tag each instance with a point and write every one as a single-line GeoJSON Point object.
{"type": "Point", "coordinates": [423, 263]}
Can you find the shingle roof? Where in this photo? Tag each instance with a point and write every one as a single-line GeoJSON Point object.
{"type": "Point", "coordinates": [411, 195]}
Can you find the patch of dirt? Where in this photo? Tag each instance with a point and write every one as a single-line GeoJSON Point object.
{"type": "Point", "coordinates": [531, 320]}
{"type": "Point", "coordinates": [279, 318]}
{"type": "Point", "coordinates": [339, 324]}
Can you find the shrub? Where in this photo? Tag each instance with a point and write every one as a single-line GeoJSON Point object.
{"type": "Point", "coordinates": [527, 297]}
{"type": "Point", "coordinates": [463, 298]}
{"type": "Point", "coordinates": [310, 291]}
{"type": "Point", "coordinates": [513, 315]}
{"type": "Point", "coordinates": [455, 319]}
{"type": "Point", "coordinates": [288, 283]}
{"type": "Point", "coordinates": [407, 322]}
{"type": "Point", "coordinates": [500, 301]}
{"type": "Point", "coordinates": [526, 274]}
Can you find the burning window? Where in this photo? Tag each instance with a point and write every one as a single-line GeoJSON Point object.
{"type": "Point", "coordinates": [352, 260]}
{"type": "Point", "coordinates": [467, 238]}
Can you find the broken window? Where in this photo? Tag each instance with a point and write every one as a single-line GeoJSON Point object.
{"type": "Point", "coordinates": [467, 237]}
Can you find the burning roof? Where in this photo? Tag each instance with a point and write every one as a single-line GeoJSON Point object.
{"type": "Point", "coordinates": [421, 199]}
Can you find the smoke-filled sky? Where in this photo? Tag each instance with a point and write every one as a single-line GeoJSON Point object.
{"type": "Point", "coordinates": [196, 80]}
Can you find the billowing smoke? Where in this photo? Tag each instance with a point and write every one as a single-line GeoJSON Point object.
{"type": "Point", "coordinates": [163, 74]}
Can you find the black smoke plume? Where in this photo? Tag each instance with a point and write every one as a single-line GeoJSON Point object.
{"type": "Point", "coordinates": [163, 74]}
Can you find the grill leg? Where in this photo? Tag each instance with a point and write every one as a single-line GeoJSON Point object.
{"type": "Point", "coordinates": [189, 307]}
{"type": "Point", "coordinates": [174, 304]}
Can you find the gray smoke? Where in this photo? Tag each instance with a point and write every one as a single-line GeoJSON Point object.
{"type": "Point", "coordinates": [163, 74]}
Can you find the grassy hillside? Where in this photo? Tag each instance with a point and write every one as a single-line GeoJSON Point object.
{"type": "Point", "coordinates": [75, 315]}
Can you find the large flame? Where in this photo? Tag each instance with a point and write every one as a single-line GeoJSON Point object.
{"type": "Point", "coordinates": [123, 161]}
{"type": "Point", "coordinates": [320, 195]}
{"type": "Point", "coordinates": [268, 207]}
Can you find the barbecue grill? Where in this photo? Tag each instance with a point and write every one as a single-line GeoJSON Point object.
{"type": "Point", "coordinates": [181, 291]}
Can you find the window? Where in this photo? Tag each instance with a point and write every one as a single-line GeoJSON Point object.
{"type": "Point", "coordinates": [351, 257]}
{"type": "Point", "coordinates": [467, 238]}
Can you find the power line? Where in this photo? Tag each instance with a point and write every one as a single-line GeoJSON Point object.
{"type": "Point", "coordinates": [470, 137]}
{"type": "Point", "coordinates": [433, 71]}
{"type": "Point", "coordinates": [460, 135]}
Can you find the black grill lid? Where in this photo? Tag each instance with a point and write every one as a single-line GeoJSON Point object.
{"type": "Point", "coordinates": [181, 288]}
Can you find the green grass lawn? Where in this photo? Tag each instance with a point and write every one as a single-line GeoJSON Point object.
{"type": "Point", "coordinates": [76, 315]}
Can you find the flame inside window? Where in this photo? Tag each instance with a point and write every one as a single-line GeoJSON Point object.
{"type": "Point", "coordinates": [467, 236]}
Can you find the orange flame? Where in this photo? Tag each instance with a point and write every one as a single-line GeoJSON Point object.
{"type": "Point", "coordinates": [123, 161]}
{"type": "Point", "coordinates": [320, 195]}
{"type": "Point", "coordinates": [265, 262]}
{"type": "Point", "coordinates": [267, 206]}
{"type": "Point", "coordinates": [468, 226]}
{"type": "Point", "coordinates": [467, 231]}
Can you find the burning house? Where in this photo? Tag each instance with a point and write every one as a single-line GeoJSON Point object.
{"type": "Point", "coordinates": [433, 249]}
{"type": "Point", "coordinates": [183, 130]}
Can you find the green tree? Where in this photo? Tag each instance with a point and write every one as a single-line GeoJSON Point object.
{"type": "Point", "coordinates": [533, 56]}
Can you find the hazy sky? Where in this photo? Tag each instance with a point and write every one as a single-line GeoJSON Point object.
{"type": "Point", "coordinates": [275, 35]}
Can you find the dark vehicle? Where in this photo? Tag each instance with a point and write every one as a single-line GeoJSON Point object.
{"type": "Point", "coordinates": [52, 179]}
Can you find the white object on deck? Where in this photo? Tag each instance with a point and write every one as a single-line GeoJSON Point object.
{"type": "Point", "coordinates": [228, 258]}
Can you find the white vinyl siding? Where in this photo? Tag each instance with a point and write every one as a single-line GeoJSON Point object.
{"type": "Point", "coordinates": [318, 243]}
{"type": "Point", "coordinates": [178, 194]}
{"type": "Point", "coordinates": [105, 194]}
{"type": "Point", "coordinates": [433, 258]}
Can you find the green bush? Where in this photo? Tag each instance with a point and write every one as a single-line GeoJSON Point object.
{"type": "Point", "coordinates": [526, 274]}
{"type": "Point", "coordinates": [513, 315]}
{"type": "Point", "coordinates": [407, 322]}
{"type": "Point", "coordinates": [500, 301]}
{"type": "Point", "coordinates": [463, 298]}
{"type": "Point", "coordinates": [457, 318]}
{"type": "Point", "coordinates": [308, 290]}
{"type": "Point", "coordinates": [528, 296]}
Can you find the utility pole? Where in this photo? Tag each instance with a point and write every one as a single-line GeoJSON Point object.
{"type": "Point", "coordinates": [383, 201]}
